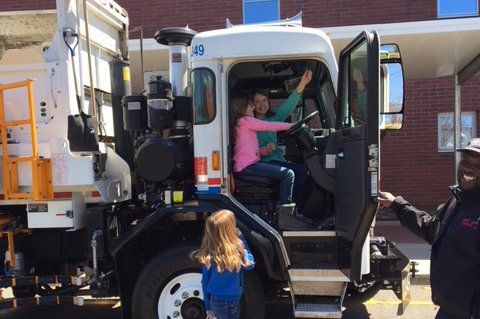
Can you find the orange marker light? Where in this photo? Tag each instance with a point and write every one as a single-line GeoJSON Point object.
{"type": "Point", "coordinates": [200, 166]}
{"type": "Point", "coordinates": [215, 161]}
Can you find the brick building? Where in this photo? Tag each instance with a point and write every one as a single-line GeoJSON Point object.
{"type": "Point", "coordinates": [412, 163]}
{"type": "Point", "coordinates": [416, 160]}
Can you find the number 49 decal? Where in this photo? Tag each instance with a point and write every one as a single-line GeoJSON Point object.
{"type": "Point", "coordinates": [198, 50]}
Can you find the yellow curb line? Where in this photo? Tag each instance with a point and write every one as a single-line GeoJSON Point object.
{"type": "Point", "coordinates": [397, 302]}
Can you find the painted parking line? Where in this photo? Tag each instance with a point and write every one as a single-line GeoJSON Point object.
{"type": "Point", "coordinates": [397, 302]}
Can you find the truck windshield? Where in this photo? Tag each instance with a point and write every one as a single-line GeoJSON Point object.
{"type": "Point", "coordinates": [327, 99]}
{"type": "Point", "coordinates": [278, 80]}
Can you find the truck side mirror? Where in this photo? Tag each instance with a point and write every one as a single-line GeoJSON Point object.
{"type": "Point", "coordinates": [391, 87]}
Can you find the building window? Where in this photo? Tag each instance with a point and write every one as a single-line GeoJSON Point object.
{"type": "Point", "coordinates": [203, 82]}
{"type": "Point", "coordinates": [446, 131]}
{"type": "Point", "coordinates": [260, 10]}
{"type": "Point", "coordinates": [457, 8]}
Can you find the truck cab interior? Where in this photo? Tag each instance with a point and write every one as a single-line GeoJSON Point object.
{"type": "Point", "coordinates": [304, 143]}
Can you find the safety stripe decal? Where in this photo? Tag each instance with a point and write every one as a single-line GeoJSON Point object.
{"type": "Point", "coordinates": [209, 190]}
{"type": "Point", "coordinates": [63, 195]}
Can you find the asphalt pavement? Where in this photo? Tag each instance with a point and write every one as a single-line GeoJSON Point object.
{"type": "Point", "coordinates": [383, 306]}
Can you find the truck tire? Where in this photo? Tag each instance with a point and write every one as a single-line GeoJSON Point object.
{"type": "Point", "coordinates": [170, 287]}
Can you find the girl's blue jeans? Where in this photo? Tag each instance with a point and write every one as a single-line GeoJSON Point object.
{"type": "Point", "coordinates": [285, 176]}
{"type": "Point", "coordinates": [224, 309]}
{"type": "Point", "coordinates": [300, 192]}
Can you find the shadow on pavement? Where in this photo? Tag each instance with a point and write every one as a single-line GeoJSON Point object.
{"type": "Point", "coordinates": [356, 312]}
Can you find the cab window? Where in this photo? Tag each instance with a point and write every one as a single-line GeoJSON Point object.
{"type": "Point", "coordinates": [323, 101]}
{"type": "Point", "coordinates": [327, 99]}
{"type": "Point", "coordinates": [309, 108]}
{"type": "Point", "coordinates": [353, 110]}
{"type": "Point", "coordinates": [204, 105]}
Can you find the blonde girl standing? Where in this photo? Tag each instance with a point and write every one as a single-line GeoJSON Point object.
{"type": "Point", "coordinates": [224, 254]}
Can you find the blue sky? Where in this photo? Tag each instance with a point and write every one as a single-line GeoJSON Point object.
{"type": "Point", "coordinates": [260, 11]}
{"type": "Point", "coordinates": [450, 8]}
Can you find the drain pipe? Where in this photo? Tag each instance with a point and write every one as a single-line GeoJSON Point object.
{"type": "Point", "coordinates": [140, 29]}
{"type": "Point", "coordinates": [93, 243]}
{"type": "Point", "coordinates": [89, 52]}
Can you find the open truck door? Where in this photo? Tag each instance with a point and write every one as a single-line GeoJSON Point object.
{"type": "Point", "coordinates": [357, 141]}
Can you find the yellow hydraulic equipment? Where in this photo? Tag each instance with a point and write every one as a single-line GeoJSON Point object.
{"type": "Point", "coordinates": [5, 231]}
{"type": "Point", "coordinates": [42, 187]}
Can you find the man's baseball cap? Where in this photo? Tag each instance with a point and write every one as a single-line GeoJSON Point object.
{"type": "Point", "coordinates": [473, 146]}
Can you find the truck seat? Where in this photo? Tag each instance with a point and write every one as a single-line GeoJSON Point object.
{"type": "Point", "coordinates": [256, 180]}
{"type": "Point", "coordinates": [259, 194]}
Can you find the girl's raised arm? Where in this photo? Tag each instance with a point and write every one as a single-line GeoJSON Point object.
{"type": "Point", "coordinates": [288, 106]}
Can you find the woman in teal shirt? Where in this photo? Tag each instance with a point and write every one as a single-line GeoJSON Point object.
{"type": "Point", "coordinates": [269, 139]}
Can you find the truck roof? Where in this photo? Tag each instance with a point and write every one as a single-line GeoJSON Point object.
{"type": "Point", "coordinates": [263, 41]}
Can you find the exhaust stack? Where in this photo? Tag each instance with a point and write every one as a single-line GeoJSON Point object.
{"type": "Point", "coordinates": [178, 39]}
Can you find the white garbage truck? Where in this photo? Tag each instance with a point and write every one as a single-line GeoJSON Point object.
{"type": "Point", "coordinates": [105, 193]}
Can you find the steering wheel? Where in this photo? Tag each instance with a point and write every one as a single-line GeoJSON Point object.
{"type": "Point", "coordinates": [297, 126]}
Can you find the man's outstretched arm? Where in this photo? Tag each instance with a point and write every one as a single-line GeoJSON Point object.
{"type": "Point", "coordinates": [417, 221]}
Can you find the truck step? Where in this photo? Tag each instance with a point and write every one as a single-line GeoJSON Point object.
{"type": "Point", "coordinates": [310, 310]}
{"type": "Point", "coordinates": [6, 281]}
{"type": "Point", "coordinates": [309, 233]}
{"type": "Point", "coordinates": [311, 247]}
{"type": "Point", "coordinates": [40, 301]}
{"type": "Point", "coordinates": [322, 288]}
{"type": "Point", "coordinates": [317, 275]}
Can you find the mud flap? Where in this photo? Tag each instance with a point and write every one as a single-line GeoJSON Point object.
{"type": "Point", "coordinates": [403, 291]}
{"type": "Point", "coordinates": [83, 133]}
{"type": "Point", "coordinates": [394, 269]}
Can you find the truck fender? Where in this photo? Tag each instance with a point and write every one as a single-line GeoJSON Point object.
{"type": "Point", "coordinates": [263, 238]}
{"type": "Point", "coordinates": [125, 251]}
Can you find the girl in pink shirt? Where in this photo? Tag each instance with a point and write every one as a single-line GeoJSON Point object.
{"type": "Point", "coordinates": [246, 158]}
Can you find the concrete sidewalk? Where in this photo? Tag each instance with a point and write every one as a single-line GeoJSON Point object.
{"type": "Point", "coordinates": [415, 248]}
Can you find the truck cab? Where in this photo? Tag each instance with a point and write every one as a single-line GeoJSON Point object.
{"type": "Point", "coordinates": [340, 149]}
{"type": "Point", "coordinates": [337, 138]}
